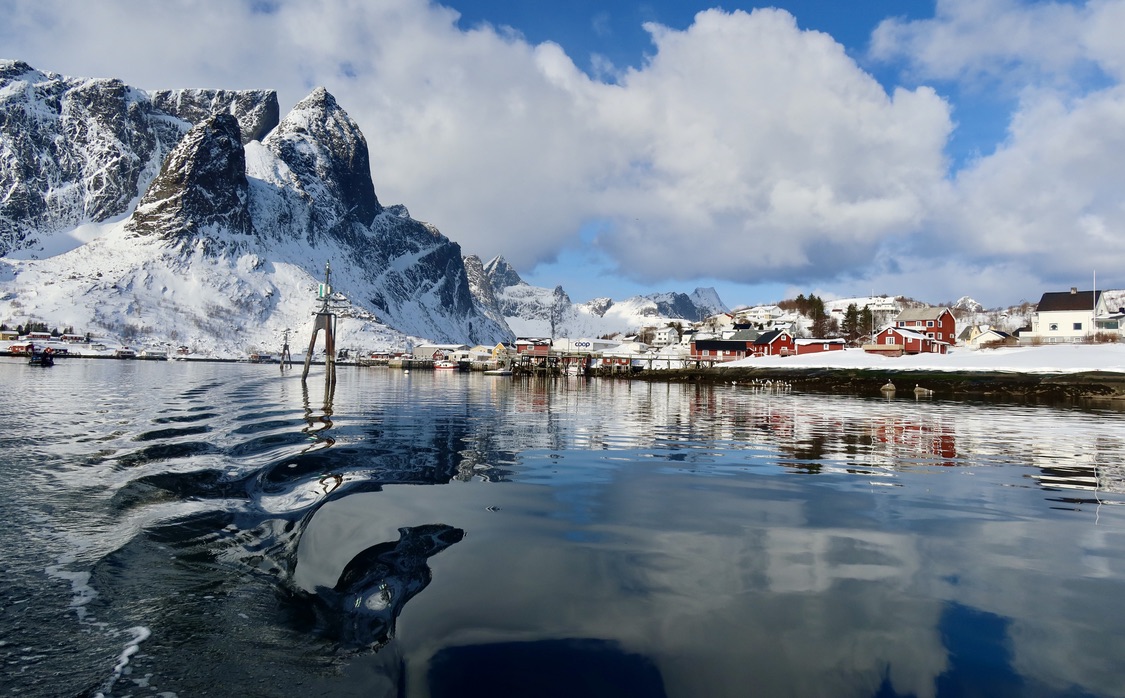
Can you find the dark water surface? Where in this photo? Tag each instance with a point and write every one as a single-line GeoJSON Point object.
{"type": "Point", "coordinates": [217, 529]}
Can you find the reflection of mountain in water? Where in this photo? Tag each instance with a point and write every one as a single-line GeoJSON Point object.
{"type": "Point", "coordinates": [360, 610]}
{"type": "Point", "coordinates": [252, 520]}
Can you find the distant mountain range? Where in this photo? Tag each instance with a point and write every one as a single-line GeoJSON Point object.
{"type": "Point", "coordinates": [203, 218]}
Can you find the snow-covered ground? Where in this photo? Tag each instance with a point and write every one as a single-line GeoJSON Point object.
{"type": "Point", "coordinates": [1070, 358]}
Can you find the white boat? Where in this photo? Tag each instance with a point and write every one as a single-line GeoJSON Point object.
{"type": "Point", "coordinates": [125, 353]}
{"type": "Point", "coordinates": [498, 372]}
{"type": "Point", "coordinates": [153, 354]}
{"type": "Point", "coordinates": [446, 365]}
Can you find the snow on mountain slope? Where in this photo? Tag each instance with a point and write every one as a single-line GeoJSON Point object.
{"type": "Point", "coordinates": [529, 310]}
{"type": "Point", "coordinates": [228, 241]}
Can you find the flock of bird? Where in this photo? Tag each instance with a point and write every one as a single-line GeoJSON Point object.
{"type": "Point", "coordinates": [766, 386]}
{"type": "Point", "coordinates": [780, 386]}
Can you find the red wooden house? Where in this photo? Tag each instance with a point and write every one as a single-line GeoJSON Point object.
{"type": "Point", "coordinates": [533, 347]}
{"type": "Point", "coordinates": [815, 346]}
{"type": "Point", "coordinates": [935, 323]}
{"type": "Point", "coordinates": [774, 343]}
{"type": "Point", "coordinates": [896, 341]}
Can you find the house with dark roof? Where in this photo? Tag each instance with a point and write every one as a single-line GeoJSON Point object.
{"type": "Point", "coordinates": [1065, 317]}
{"type": "Point", "coordinates": [773, 343]}
{"type": "Point", "coordinates": [736, 346]}
{"type": "Point", "coordinates": [935, 323]}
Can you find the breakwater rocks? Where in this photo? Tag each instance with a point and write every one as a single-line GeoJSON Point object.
{"type": "Point", "coordinates": [1045, 387]}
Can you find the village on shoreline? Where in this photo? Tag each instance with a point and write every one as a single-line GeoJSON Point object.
{"type": "Point", "coordinates": [1071, 349]}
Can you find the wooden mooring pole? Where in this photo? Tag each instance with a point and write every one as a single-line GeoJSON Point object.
{"type": "Point", "coordinates": [325, 320]}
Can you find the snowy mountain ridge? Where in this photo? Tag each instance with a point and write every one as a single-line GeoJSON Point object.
{"type": "Point", "coordinates": [201, 218]}
{"type": "Point", "coordinates": [155, 220]}
{"type": "Point", "coordinates": [529, 310]}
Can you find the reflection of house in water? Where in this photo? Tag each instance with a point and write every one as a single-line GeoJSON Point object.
{"type": "Point", "coordinates": [929, 437]}
{"type": "Point", "coordinates": [1098, 471]}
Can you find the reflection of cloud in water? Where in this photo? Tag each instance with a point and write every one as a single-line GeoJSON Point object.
{"type": "Point", "coordinates": [813, 560]}
{"type": "Point", "coordinates": [714, 611]}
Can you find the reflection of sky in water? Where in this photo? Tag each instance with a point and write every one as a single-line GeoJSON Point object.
{"type": "Point", "coordinates": [735, 542]}
{"type": "Point", "coordinates": [683, 524]}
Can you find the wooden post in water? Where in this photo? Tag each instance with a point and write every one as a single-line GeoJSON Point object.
{"type": "Point", "coordinates": [285, 359]}
{"type": "Point", "coordinates": [325, 320]}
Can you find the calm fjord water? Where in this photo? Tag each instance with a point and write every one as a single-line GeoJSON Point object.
{"type": "Point", "coordinates": [221, 529]}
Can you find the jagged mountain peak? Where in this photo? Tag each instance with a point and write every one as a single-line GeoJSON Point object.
{"type": "Point", "coordinates": [327, 156]}
{"type": "Point", "coordinates": [202, 186]}
{"type": "Point", "coordinates": [18, 70]}
{"type": "Point", "coordinates": [501, 274]}
{"type": "Point", "coordinates": [968, 304]}
{"type": "Point", "coordinates": [260, 220]}
{"type": "Point", "coordinates": [81, 150]}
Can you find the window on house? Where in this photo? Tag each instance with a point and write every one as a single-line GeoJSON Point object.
{"type": "Point", "coordinates": [1078, 325]}
{"type": "Point", "coordinates": [930, 335]}
{"type": "Point", "coordinates": [825, 347]}
{"type": "Point", "coordinates": [929, 323]}
{"type": "Point", "coordinates": [1054, 327]}
{"type": "Point", "coordinates": [889, 340]}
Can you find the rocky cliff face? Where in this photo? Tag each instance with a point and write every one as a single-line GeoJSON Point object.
{"type": "Point", "coordinates": [77, 150]}
{"type": "Point", "coordinates": [327, 163]}
{"type": "Point", "coordinates": [230, 219]}
{"type": "Point", "coordinates": [480, 286]}
{"type": "Point", "coordinates": [202, 186]}
{"type": "Point", "coordinates": [257, 111]}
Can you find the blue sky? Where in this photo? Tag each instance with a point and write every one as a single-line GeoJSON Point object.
{"type": "Point", "coordinates": [929, 148]}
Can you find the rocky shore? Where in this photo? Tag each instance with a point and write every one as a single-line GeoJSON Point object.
{"type": "Point", "coordinates": [1038, 387]}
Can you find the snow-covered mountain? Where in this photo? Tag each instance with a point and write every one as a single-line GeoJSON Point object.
{"type": "Point", "coordinates": [162, 218]}
{"type": "Point", "coordinates": [529, 310]}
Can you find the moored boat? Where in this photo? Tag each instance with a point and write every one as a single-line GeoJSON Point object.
{"type": "Point", "coordinates": [41, 358]}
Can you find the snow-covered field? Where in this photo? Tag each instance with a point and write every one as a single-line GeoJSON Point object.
{"type": "Point", "coordinates": [1069, 358]}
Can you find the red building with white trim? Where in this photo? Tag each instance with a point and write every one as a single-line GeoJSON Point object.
{"type": "Point", "coordinates": [935, 323]}
{"type": "Point", "coordinates": [896, 341]}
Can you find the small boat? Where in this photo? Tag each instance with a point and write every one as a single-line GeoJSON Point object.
{"type": "Point", "coordinates": [446, 365]}
{"type": "Point", "coordinates": [498, 372]}
{"type": "Point", "coordinates": [40, 358]}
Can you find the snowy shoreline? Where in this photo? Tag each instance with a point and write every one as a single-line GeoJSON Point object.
{"type": "Point", "coordinates": [1045, 373]}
